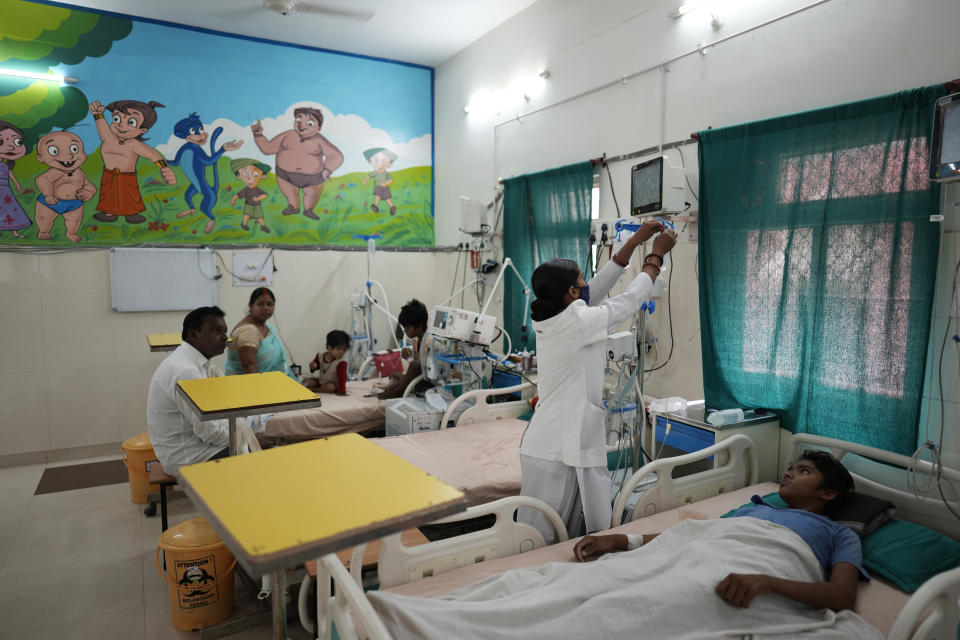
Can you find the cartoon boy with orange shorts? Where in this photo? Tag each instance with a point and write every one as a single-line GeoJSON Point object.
{"type": "Point", "coordinates": [122, 144]}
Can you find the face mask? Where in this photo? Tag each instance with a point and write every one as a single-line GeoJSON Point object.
{"type": "Point", "coordinates": [585, 294]}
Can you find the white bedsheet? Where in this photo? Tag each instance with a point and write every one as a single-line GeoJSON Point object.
{"type": "Point", "coordinates": [665, 589]}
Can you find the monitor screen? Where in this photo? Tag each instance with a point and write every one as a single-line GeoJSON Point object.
{"type": "Point", "coordinates": [945, 145]}
{"type": "Point", "coordinates": [950, 145]}
{"type": "Point", "coordinates": [646, 187]}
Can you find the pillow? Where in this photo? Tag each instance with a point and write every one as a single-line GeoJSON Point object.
{"type": "Point", "coordinates": [909, 554]}
{"type": "Point", "coordinates": [864, 514]}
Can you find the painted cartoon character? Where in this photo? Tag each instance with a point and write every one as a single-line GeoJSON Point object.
{"type": "Point", "coordinates": [12, 216]}
{"type": "Point", "coordinates": [194, 161]}
{"type": "Point", "coordinates": [380, 159]}
{"type": "Point", "coordinates": [305, 159]}
{"type": "Point", "coordinates": [250, 173]}
{"type": "Point", "coordinates": [63, 187]}
{"type": "Point", "coordinates": [122, 144]}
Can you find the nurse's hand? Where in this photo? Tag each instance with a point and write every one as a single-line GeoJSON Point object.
{"type": "Point", "coordinates": [647, 230]}
{"type": "Point", "coordinates": [664, 242]}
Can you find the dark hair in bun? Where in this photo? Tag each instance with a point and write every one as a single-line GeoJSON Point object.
{"type": "Point", "coordinates": [550, 281]}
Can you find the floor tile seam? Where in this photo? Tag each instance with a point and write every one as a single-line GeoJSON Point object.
{"type": "Point", "coordinates": [16, 534]}
{"type": "Point", "coordinates": [71, 621]}
{"type": "Point", "coordinates": [56, 523]}
{"type": "Point", "coordinates": [88, 560]}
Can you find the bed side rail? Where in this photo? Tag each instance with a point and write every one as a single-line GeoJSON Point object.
{"type": "Point", "coordinates": [736, 466]}
{"type": "Point", "coordinates": [482, 411]}
{"type": "Point", "coordinates": [347, 607]}
{"type": "Point", "coordinates": [942, 593]}
{"type": "Point", "coordinates": [399, 564]}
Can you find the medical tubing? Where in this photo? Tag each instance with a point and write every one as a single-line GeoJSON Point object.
{"type": "Point", "coordinates": [509, 345]}
{"type": "Point", "coordinates": [386, 311]}
{"type": "Point", "coordinates": [463, 288]}
{"type": "Point", "coordinates": [938, 466]}
{"type": "Point", "coordinates": [619, 405]}
{"type": "Point", "coordinates": [386, 303]}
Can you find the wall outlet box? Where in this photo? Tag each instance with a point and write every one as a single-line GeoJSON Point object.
{"type": "Point", "coordinates": [252, 270]}
{"type": "Point", "coordinates": [602, 231]}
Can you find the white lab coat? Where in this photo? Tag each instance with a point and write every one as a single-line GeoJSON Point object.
{"type": "Point", "coordinates": [568, 425]}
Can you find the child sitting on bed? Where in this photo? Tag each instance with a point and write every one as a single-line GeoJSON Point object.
{"type": "Point", "coordinates": [329, 370]}
{"type": "Point", "coordinates": [813, 488]}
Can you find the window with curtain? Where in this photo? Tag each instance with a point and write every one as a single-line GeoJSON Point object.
{"type": "Point", "coordinates": [817, 267]}
{"type": "Point", "coordinates": [546, 215]}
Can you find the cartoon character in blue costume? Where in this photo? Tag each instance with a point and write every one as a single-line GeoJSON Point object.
{"type": "Point", "coordinates": [194, 161]}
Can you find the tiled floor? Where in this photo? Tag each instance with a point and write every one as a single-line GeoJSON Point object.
{"type": "Point", "coordinates": [81, 564]}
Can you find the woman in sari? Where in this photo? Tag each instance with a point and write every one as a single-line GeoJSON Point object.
{"type": "Point", "coordinates": [255, 346]}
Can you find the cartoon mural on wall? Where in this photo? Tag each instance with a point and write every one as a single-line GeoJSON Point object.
{"type": "Point", "coordinates": [123, 157]}
{"type": "Point", "coordinates": [12, 148]}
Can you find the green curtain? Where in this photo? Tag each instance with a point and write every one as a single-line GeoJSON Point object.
{"type": "Point", "coordinates": [546, 215]}
{"type": "Point", "coordinates": [817, 266]}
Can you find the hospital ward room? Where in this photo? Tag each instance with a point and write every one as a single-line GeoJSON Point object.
{"type": "Point", "coordinates": [479, 319]}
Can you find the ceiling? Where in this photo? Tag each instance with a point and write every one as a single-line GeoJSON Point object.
{"type": "Point", "coordinates": [425, 32]}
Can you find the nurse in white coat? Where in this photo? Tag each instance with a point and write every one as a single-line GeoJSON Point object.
{"type": "Point", "coordinates": [563, 456]}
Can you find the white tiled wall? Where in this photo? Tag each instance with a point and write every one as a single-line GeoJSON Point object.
{"type": "Point", "coordinates": [73, 372]}
{"type": "Point", "coordinates": [947, 413]}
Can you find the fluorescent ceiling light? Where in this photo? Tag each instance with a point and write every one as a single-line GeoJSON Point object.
{"type": "Point", "coordinates": [49, 77]}
{"type": "Point", "coordinates": [520, 90]}
{"type": "Point", "coordinates": [687, 7]}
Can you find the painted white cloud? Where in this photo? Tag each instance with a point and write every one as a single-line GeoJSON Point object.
{"type": "Point", "coordinates": [350, 133]}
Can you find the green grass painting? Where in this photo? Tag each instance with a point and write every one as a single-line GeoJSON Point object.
{"type": "Point", "coordinates": [344, 212]}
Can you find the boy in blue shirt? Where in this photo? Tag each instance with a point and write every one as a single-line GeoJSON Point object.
{"type": "Point", "coordinates": [813, 487]}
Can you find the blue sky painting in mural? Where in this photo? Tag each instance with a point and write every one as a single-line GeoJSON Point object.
{"type": "Point", "coordinates": [233, 82]}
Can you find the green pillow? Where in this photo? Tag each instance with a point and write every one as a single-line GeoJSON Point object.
{"type": "Point", "coordinates": [772, 499]}
{"type": "Point", "coordinates": [909, 554]}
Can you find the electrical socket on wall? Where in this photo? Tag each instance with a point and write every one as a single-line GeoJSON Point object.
{"type": "Point", "coordinates": [252, 269]}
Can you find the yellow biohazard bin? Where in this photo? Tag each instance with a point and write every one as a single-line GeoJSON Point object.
{"type": "Point", "coordinates": [199, 575]}
{"type": "Point", "coordinates": [137, 454]}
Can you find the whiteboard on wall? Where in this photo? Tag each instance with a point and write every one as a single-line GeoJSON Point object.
{"type": "Point", "coordinates": [162, 279]}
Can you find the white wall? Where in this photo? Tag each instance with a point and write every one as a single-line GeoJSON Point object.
{"type": "Point", "coordinates": [75, 373]}
{"type": "Point", "coordinates": [839, 51]}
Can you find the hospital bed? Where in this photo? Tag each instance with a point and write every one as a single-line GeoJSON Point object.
{"type": "Point", "coordinates": [357, 411]}
{"type": "Point", "coordinates": [932, 611]}
{"type": "Point", "coordinates": [481, 455]}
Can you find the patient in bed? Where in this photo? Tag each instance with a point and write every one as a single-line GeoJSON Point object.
{"type": "Point", "coordinates": [779, 572]}
{"type": "Point", "coordinates": [813, 487]}
{"type": "Point", "coordinates": [328, 371]}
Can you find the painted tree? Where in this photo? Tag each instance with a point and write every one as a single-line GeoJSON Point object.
{"type": "Point", "coordinates": [36, 38]}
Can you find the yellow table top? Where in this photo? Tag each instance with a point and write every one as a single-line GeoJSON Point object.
{"type": "Point", "coordinates": [282, 506]}
{"type": "Point", "coordinates": [248, 391]}
{"type": "Point", "coordinates": [164, 341]}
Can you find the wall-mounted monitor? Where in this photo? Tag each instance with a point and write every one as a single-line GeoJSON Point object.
{"type": "Point", "coordinates": [656, 187]}
{"type": "Point", "coordinates": [945, 144]}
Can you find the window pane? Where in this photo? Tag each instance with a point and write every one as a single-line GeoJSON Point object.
{"type": "Point", "coordinates": [777, 283]}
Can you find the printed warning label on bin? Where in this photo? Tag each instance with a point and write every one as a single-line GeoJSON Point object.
{"type": "Point", "coordinates": [195, 578]}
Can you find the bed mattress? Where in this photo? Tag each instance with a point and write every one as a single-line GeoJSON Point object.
{"type": "Point", "coordinates": [878, 602]}
{"type": "Point", "coordinates": [482, 460]}
{"type": "Point", "coordinates": [351, 413]}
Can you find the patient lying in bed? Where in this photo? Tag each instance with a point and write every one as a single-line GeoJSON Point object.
{"type": "Point", "coordinates": [785, 572]}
